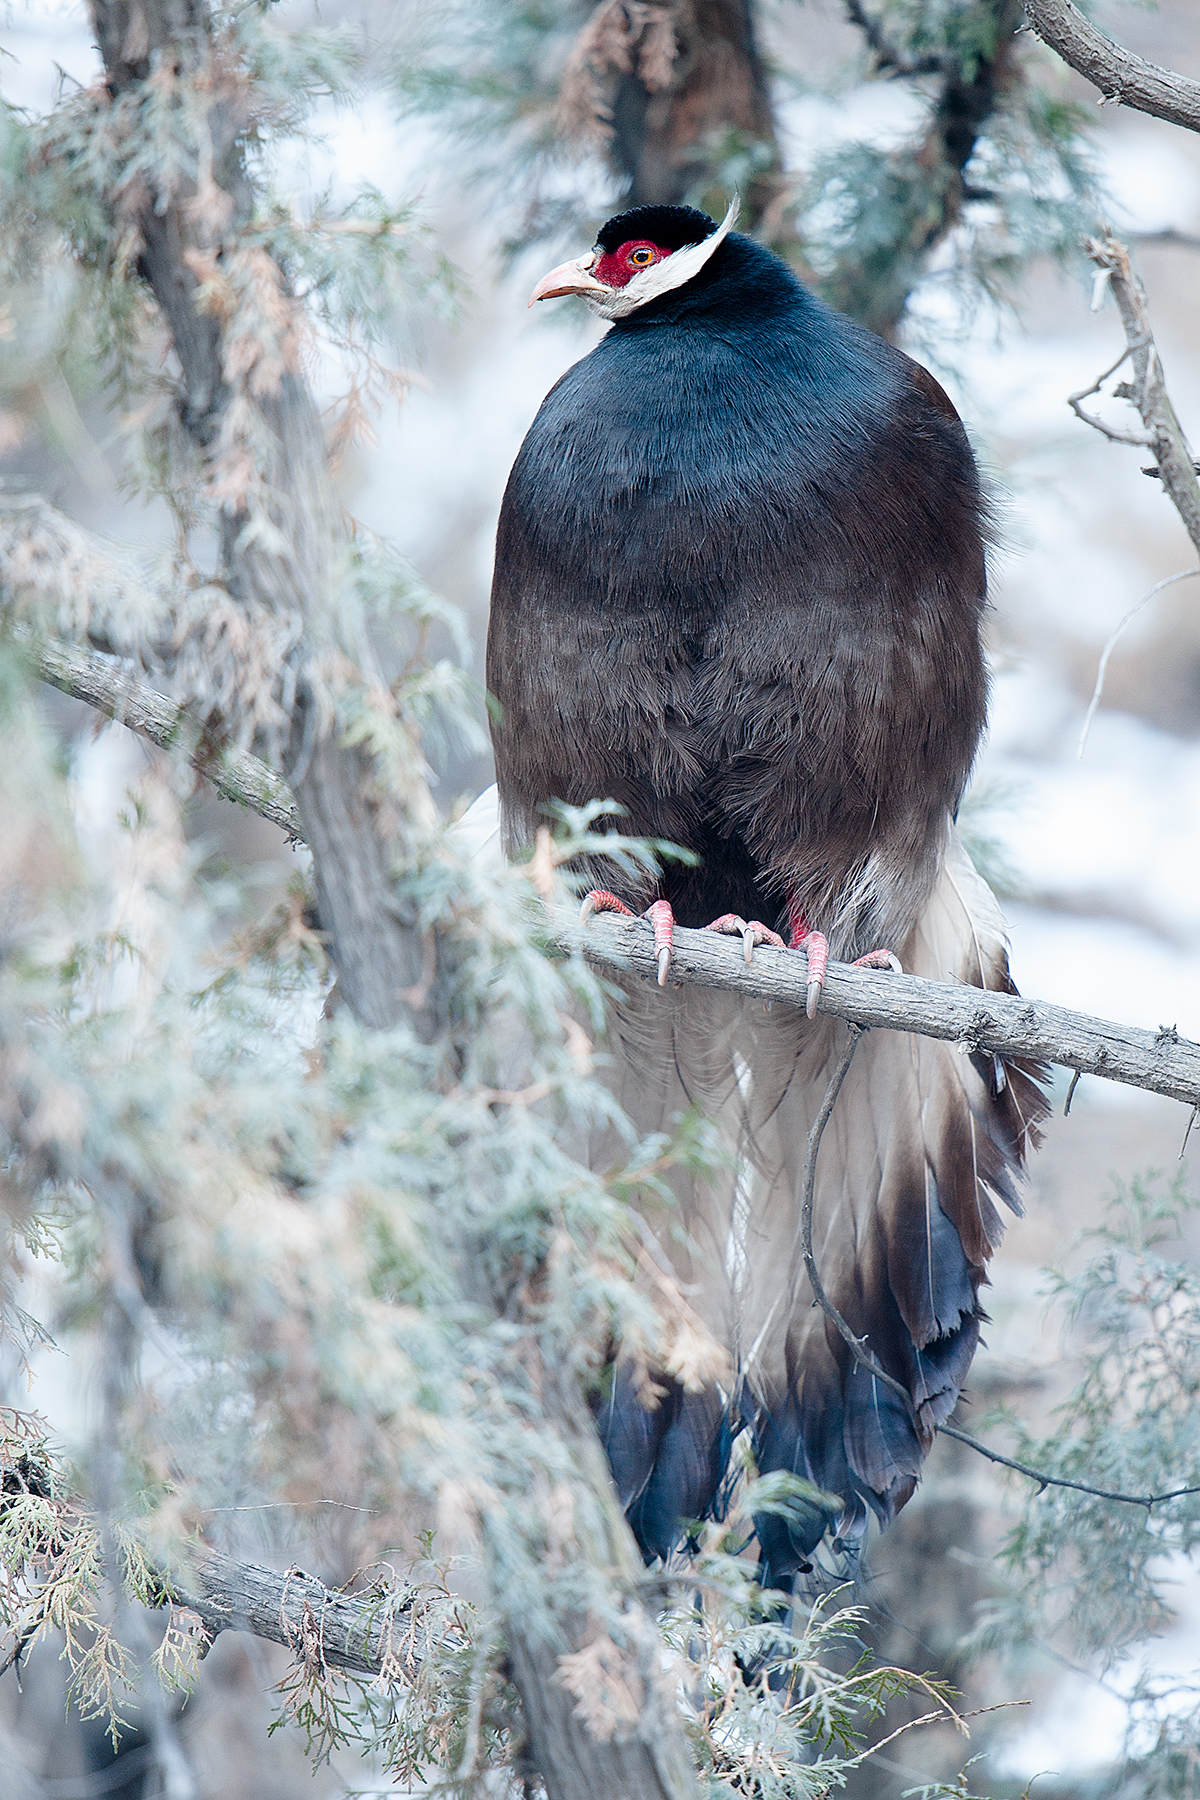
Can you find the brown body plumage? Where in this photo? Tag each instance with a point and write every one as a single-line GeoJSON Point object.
{"type": "Point", "coordinates": [739, 588]}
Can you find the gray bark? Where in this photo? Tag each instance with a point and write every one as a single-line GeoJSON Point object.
{"type": "Point", "coordinates": [1148, 390]}
{"type": "Point", "coordinates": [354, 1632]}
{"type": "Point", "coordinates": [1004, 1024]}
{"type": "Point", "coordinates": [1120, 75]}
{"type": "Point", "coordinates": [110, 685]}
{"type": "Point", "coordinates": [356, 837]}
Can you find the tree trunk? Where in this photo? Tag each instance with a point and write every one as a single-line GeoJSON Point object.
{"type": "Point", "coordinates": [678, 93]}
{"type": "Point", "coordinates": [357, 836]}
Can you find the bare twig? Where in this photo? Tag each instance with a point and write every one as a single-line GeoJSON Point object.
{"type": "Point", "coordinates": [1110, 645]}
{"type": "Point", "coordinates": [1081, 1487]}
{"type": "Point", "coordinates": [1122, 77]}
{"type": "Point", "coordinates": [1147, 390]}
{"type": "Point", "coordinates": [1113, 433]}
{"type": "Point", "coordinates": [109, 685]}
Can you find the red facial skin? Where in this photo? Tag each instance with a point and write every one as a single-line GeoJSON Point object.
{"type": "Point", "coordinates": [617, 267]}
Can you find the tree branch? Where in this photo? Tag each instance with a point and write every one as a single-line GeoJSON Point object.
{"type": "Point", "coordinates": [109, 685]}
{"type": "Point", "coordinates": [1148, 389]}
{"type": "Point", "coordinates": [1120, 75]}
{"type": "Point", "coordinates": [347, 1631]}
{"type": "Point", "coordinates": [1002, 1024]}
{"type": "Point", "coordinates": [1080, 1487]}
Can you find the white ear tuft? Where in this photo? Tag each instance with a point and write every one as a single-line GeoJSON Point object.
{"type": "Point", "coordinates": [672, 272]}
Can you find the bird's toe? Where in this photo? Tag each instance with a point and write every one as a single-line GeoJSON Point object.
{"type": "Point", "coordinates": [880, 959]}
{"type": "Point", "coordinates": [662, 917]}
{"type": "Point", "coordinates": [600, 900]}
{"type": "Point", "coordinates": [816, 947]}
{"type": "Point", "coordinates": [751, 931]}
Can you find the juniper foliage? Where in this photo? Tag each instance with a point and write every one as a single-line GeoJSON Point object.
{"type": "Point", "coordinates": [1088, 1580]}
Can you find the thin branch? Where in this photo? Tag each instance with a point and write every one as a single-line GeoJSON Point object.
{"type": "Point", "coordinates": [1113, 433]}
{"type": "Point", "coordinates": [1081, 1487]}
{"type": "Point", "coordinates": [1001, 1024]}
{"type": "Point", "coordinates": [1111, 644]}
{"type": "Point", "coordinates": [109, 685]}
{"type": "Point", "coordinates": [1148, 390]}
{"type": "Point", "coordinates": [1122, 77]}
{"type": "Point", "coordinates": [1006, 1025]}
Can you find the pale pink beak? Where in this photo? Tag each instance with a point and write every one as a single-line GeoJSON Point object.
{"type": "Point", "coordinates": [568, 278]}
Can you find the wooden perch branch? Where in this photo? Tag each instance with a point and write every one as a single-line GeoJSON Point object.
{"type": "Point", "coordinates": [1002, 1024]}
{"type": "Point", "coordinates": [347, 1631]}
{"type": "Point", "coordinates": [1148, 389]}
{"type": "Point", "coordinates": [1122, 77]}
{"type": "Point", "coordinates": [108, 685]}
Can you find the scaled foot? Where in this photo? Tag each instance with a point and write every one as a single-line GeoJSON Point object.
{"type": "Point", "coordinates": [659, 914]}
{"type": "Point", "coordinates": [816, 947]}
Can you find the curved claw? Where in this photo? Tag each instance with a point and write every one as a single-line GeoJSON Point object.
{"type": "Point", "coordinates": [880, 959]}
{"type": "Point", "coordinates": [600, 900]}
{"type": "Point", "coordinates": [662, 917]}
{"type": "Point", "coordinates": [816, 947]}
{"type": "Point", "coordinates": [751, 931]}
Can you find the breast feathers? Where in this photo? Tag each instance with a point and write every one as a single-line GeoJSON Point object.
{"type": "Point", "coordinates": [739, 588]}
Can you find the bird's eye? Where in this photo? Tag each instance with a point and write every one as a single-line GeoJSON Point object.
{"type": "Point", "coordinates": [641, 258]}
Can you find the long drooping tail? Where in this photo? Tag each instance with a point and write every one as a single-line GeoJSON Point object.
{"type": "Point", "coordinates": [926, 1141]}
